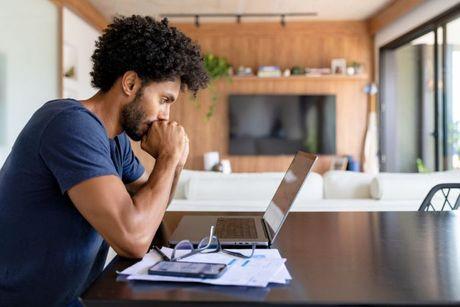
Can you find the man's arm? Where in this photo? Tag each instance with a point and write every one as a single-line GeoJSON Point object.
{"type": "Point", "coordinates": [129, 224]}
{"type": "Point", "coordinates": [174, 183]}
{"type": "Point", "coordinates": [135, 186]}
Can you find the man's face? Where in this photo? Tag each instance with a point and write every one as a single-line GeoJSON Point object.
{"type": "Point", "coordinates": [152, 102]}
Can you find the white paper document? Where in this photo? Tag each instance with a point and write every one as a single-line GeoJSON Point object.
{"type": "Point", "coordinates": [142, 267]}
{"type": "Point", "coordinates": [266, 266]}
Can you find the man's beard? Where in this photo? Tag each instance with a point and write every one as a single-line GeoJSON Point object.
{"type": "Point", "coordinates": [132, 118]}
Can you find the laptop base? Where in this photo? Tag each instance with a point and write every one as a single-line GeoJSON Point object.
{"type": "Point", "coordinates": [194, 228]}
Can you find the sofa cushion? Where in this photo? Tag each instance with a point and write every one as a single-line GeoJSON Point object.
{"type": "Point", "coordinates": [344, 184]}
{"type": "Point", "coordinates": [185, 177]}
{"type": "Point", "coordinates": [247, 186]}
{"type": "Point", "coordinates": [409, 186]}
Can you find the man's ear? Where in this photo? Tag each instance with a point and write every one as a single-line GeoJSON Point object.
{"type": "Point", "coordinates": [130, 83]}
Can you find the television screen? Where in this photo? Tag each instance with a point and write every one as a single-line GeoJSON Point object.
{"type": "Point", "coordinates": [281, 124]}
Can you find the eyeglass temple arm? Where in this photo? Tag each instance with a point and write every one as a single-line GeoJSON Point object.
{"type": "Point", "coordinates": [211, 234]}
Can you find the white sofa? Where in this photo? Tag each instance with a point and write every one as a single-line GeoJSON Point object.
{"type": "Point", "coordinates": [334, 191]}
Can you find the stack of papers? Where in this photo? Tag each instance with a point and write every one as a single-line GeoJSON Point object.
{"type": "Point", "coordinates": [266, 266]}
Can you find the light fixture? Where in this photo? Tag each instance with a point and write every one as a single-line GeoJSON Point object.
{"type": "Point", "coordinates": [238, 17]}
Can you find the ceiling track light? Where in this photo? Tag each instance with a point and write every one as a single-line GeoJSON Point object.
{"type": "Point", "coordinates": [238, 17]}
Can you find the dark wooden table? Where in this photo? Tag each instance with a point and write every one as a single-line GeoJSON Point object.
{"type": "Point", "coordinates": [334, 258]}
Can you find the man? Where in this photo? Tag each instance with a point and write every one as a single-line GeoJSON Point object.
{"type": "Point", "coordinates": [65, 189]}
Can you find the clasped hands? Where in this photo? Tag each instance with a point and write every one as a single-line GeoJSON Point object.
{"type": "Point", "coordinates": [166, 140]}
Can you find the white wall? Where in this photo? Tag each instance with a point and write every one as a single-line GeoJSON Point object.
{"type": "Point", "coordinates": [79, 45]}
{"type": "Point", "coordinates": [28, 64]}
{"type": "Point", "coordinates": [421, 14]}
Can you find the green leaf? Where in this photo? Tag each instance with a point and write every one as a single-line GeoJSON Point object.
{"type": "Point", "coordinates": [217, 67]}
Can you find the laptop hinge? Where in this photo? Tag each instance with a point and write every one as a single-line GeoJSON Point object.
{"type": "Point", "coordinates": [267, 231]}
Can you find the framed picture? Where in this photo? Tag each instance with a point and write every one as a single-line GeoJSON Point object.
{"type": "Point", "coordinates": [338, 66]}
{"type": "Point", "coordinates": [339, 163]}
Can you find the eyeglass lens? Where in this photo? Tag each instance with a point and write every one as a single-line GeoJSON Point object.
{"type": "Point", "coordinates": [207, 245]}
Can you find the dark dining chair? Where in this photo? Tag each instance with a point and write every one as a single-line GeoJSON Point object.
{"type": "Point", "coordinates": [442, 197]}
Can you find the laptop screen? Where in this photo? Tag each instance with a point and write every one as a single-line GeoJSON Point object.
{"type": "Point", "coordinates": [287, 191]}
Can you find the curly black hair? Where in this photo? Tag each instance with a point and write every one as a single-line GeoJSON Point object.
{"type": "Point", "coordinates": [154, 50]}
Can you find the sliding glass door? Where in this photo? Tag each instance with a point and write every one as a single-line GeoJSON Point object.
{"type": "Point", "coordinates": [408, 121]}
{"type": "Point", "coordinates": [420, 98]}
{"type": "Point", "coordinates": [452, 95]}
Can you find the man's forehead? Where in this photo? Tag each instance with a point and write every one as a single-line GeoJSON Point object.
{"type": "Point", "coordinates": [171, 87]}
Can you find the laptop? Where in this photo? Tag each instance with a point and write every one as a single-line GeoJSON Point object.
{"type": "Point", "coordinates": [239, 231]}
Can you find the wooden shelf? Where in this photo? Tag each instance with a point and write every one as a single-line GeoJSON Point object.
{"type": "Point", "coordinates": [304, 77]}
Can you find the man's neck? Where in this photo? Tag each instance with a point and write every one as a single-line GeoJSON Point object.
{"type": "Point", "coordinates": [107, 107]}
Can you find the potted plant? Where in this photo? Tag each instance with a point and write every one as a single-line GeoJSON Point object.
{"type": "Point", "coordinates": [218, 68]}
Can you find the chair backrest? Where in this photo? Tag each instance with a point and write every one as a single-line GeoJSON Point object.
{"type": "Point", "coordinates": [442, 197]}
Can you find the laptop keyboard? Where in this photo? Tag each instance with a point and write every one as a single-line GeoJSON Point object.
{"type": "Point", "coordinates": [236, 228]}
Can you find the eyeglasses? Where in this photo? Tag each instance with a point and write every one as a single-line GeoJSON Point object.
{"type": "Point", "coordinates": [209, 244]}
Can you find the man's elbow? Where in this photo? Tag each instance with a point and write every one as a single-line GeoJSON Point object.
{"type": "Point", "coordinates": [133, 239]}
{"type": "Point", "coordinates": [133, 248]}
{"type": "Point", "coordinates": [134, 253]}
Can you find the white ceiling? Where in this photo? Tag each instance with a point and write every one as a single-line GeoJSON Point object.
{"type": "Point", "coordinates": [325, 9]}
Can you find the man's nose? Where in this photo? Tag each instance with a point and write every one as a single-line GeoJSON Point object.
{"type": "Point", "coordinates": [164, 114]}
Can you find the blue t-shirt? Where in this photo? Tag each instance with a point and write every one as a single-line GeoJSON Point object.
{"type": "Point", "coordinates": [49, 253]}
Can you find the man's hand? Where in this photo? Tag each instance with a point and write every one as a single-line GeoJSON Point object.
{"type": "Point", "coordinates": [133, 187]}
{"type": "Point", "coordinates": [165, 140]}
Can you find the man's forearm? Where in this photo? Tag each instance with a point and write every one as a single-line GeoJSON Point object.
{"type": "Point", "coordinates": [152, 199]}
{"type": "Point", "coordinates": [174, 184]}
{"type": "Point", "coordinates": [138, 185]}
{"type": "Point", "coordinates": [159, 182]}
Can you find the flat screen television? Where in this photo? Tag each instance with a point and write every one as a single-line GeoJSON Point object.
{"type": "Point", "coordinates": [281, 124]}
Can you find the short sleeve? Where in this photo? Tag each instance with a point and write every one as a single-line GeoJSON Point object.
{"type": "Point", "coordinates": [75, 147]}
{"type": "Point", "coordinates": [132, 168]}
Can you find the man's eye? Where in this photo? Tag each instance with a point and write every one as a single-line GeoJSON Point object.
{"type": "Point", "coordinates": [164, 100]}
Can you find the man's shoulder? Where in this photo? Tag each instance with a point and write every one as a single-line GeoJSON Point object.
{"type": "Point", "coordinates": [69, 114]}
{"type": "Point", "coordinates": [69, 123]}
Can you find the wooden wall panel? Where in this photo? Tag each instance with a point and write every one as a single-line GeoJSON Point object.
{"type": "Point", "coordinates": [311, 44]}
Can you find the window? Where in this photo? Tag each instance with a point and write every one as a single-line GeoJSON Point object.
{"type": "Point", "coordinates": [452, 95]}
{"type": "Point", "coordinates": [420, 97]}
